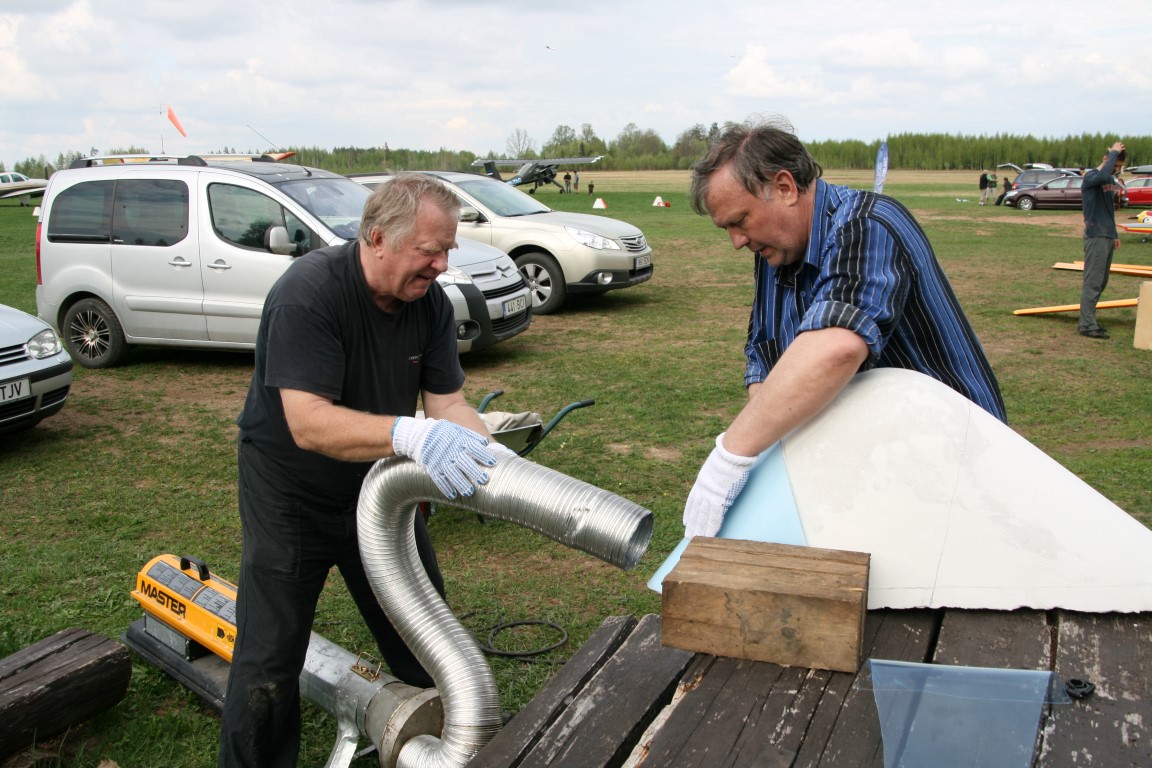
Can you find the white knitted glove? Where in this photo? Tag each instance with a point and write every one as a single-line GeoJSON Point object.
{"type": "Point", "coordinates": [451, 454]}
{"type": "Point", "coordinates": [719, 483]}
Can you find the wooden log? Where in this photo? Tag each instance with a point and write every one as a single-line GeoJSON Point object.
{"type": "Point", "coordinates": [58, 682]}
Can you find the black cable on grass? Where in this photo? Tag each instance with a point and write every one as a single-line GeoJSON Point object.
{"type": "Point", "coordinates": [489, 647]}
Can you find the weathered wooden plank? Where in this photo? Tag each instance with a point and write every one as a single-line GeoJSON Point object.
{"type": "Point", "coordinates": [606, 719]}
{"type": "Point", "coordinates": [62, 680]}
{"type": "Point", "coordinates": [921, 726]}
{"type": "Point", "coordinates": [845, 729]}
{"type": "Point", "coordinates": [755, 715]}
{"type": "Point", "coordinates": [718, 719]}
{"type": "Point", "coordinates": [1112, 726]}
{"type": "Point", "coordinates": [515, 740]}
{"type": "Point", "coordinates": [1003, 639]}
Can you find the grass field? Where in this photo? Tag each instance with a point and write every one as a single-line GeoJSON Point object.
{"type": "Point", "coordinates": [141, 461]}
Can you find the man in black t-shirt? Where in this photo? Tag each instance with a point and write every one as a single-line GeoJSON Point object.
{"type": "Point", "coordinates": [351, 338]}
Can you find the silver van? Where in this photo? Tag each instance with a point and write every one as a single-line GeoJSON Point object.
{"type": "Point", "coordinates": [181, 252]}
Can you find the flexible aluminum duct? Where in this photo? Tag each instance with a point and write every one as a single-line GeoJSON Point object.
{"type": "Point", "coordinates": [562, 508]}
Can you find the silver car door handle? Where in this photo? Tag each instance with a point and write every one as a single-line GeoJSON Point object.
{"type": "Point", "coordinates": [179, 262]}
{"type": "Point", "coordinates": [220, 265]}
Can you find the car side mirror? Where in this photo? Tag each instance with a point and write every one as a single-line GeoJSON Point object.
{"type": "Point", "coordinates": [276, 241]}
{"type": "Point", "coordinates": [470, 215]}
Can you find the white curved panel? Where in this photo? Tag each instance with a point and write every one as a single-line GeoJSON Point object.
{"type": "Point", "coordinates": [955, 508]}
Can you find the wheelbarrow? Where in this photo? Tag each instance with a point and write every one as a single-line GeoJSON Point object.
{"type": "Point", "coordinates": [521, 432]}
{"type": "Point", "coordinates": [518, 432]}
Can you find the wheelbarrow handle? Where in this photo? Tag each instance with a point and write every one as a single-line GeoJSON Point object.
{"type": "Point", "coordinates": [487, 399]}
{"type": "Point", "coordinates": [555, 420]}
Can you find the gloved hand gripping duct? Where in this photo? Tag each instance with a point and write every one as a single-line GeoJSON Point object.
{"type": "Point", "coordinates": [562, 508]}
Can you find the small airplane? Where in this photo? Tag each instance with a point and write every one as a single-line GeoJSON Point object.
{"type": "Point", "coordinates": [538, 173]}
{"type": "Point", "coordinates": [18, 185]}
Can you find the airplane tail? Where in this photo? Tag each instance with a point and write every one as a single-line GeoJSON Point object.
{"type": "Point", "coordinates": [490, 170]}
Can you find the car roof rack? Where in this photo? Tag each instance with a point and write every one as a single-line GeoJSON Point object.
{"type": "Point", "coordinates": [197, 160]}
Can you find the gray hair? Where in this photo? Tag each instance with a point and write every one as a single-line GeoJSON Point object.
{"type": "Point", "coordinates": [756, 150]}
{"type": "Point", "coordinates": [392, 206]}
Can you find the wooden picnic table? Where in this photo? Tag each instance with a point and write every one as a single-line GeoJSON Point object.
{"type": "Point", "coordinates": [626, 700]}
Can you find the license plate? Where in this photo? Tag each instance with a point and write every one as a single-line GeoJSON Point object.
{"type": "Point", "coordinates": [15, 390]}
{"type": "Point", "coordinates": [643, 261]}
{"type": "Point", "coordinates": [515, 306]}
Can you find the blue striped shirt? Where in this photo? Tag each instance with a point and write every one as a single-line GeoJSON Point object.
{"type": "Point", "coordinates": [870, 268]}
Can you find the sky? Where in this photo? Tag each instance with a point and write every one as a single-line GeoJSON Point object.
{"type": "Point", "coordinates": [463, 75]}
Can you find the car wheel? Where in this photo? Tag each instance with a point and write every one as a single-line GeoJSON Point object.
{"type": "Point", "coordinates": [93, 334]}
{"type": "Point", "coordinates": [545, 280]}
{"type": "Point", "coordinates": [1025, 203]}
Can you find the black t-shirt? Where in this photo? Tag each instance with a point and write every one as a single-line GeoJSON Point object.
{"type": "Point", "coordinates": [322, 332]}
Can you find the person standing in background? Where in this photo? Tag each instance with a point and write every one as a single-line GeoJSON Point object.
{"type": "Point", "coordinates": [1100, 238]}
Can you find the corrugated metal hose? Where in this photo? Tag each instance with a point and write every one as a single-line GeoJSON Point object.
{"type": "Point", "coordinates": [569, 511]}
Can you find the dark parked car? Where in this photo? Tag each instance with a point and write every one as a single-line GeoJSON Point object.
{"type": "Point", "coordinates": [1061, 192]}
{"type": "Point", "coordinates": [1035, 177]}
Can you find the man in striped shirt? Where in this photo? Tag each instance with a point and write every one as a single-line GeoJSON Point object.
{"type": "Point", "coordinates": [846, 280]}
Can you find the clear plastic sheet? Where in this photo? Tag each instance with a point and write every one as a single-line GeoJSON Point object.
{"type": "Point", "coordinates": [959, 717]}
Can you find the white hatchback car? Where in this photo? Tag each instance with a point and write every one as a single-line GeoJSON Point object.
{"type": "Point", "coordinates": [558, 253]}
{"type": "Point", "coordinates": [181, 252]}
{"type": "Point", "coordinates": [35, 371]}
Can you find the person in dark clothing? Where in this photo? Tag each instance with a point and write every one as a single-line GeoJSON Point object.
{"type": "Point", "coordinates": [351, 338]}
{"type": "Point", "coordinates": [1004, 192]}
{"type": "Point", "coordinates": [1100, 238]}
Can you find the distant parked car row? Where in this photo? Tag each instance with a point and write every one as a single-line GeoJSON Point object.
{"type": "Point", "coordinates": [1041, 186]}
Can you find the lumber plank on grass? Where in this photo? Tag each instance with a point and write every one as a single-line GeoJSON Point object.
{"type": "Point", "coordinates": [1113, 304]}
{"type": "Point", "coordinates": [58, 682]}
{"type": "Point", "coordinates": [1134, 270]}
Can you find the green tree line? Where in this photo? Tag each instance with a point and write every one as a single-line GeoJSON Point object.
{"type": "Point", "coordinates": [641, 149]}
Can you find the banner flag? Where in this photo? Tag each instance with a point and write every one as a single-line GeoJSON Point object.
{"type": "Point", "coordinates": [881, 168]}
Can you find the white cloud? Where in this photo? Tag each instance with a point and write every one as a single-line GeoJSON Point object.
{"type": "Point", "coordinates": [426, 74]}
{"type": "Point", "coordinates": [755, 76]}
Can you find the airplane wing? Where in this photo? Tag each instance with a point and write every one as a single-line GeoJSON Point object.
{"type": "Point", "coordinates": [552, 161]}
{"type": "Point", "coordinates": [30, 188]}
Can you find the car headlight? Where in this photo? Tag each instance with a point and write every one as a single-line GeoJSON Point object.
{"type": "Point", "coordinates": [454, 276]}
{"type": "Point", "coordinates": [593, 240]}
{"type": "Point", "coordinates": [44, 344]}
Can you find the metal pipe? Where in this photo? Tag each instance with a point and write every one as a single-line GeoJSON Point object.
{"type": "Point", "coordinates": [562, 508]}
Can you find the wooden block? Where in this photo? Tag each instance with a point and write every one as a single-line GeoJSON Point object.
{"type": "Point", "coordinates": [799, 606]}
{"type": "Point", "coordinates": [1142, 339]}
